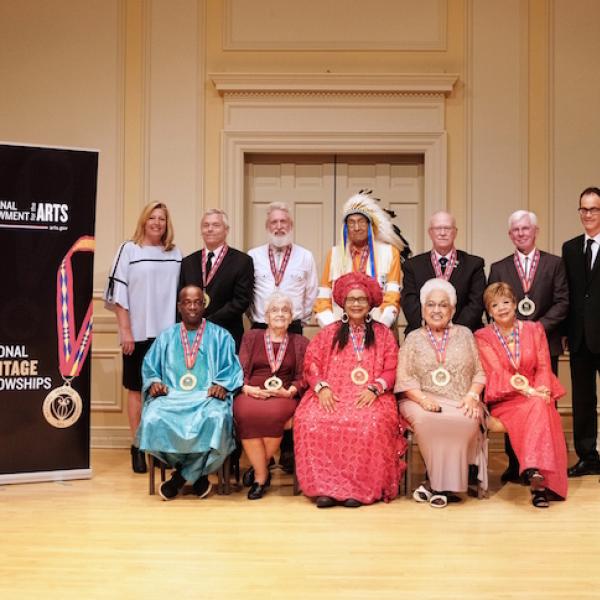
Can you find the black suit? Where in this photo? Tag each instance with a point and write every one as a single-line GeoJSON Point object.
{"type": "Point", "coordinates": [549, 292]}
{"type": "Point", "coordinates": [467, 278]}
{"type": "Point", "coordinates": [230, 290]}
{"type": "Point", "coordinates": [583, 329]}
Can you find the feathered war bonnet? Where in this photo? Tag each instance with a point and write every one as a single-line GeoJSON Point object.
{"type": "Point", "coordinates": [381, 227]}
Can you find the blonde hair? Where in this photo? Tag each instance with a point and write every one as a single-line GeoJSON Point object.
{"type": "Point", "coordinates": [496, 290]}
{"type": "Point", "coordinates": [167, 239]}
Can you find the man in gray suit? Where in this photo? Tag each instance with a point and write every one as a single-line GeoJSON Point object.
{"type": "Point", "coordinates": [540, 284]}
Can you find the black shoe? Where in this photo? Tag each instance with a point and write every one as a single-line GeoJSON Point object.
{"type": "Point", "coordinates": [325, 502]}
{"type": "Point", "coordinates": [138, 460]}
{"type": "Point", "coordinates": [248, 477]}
{"type": "Point", "coordinates": [286, 461]}
{"type": "Point", "coordinates": [584, 467]}
{"type": "Point", "coordinates": [352, 503]}
{"type": "Point", "coordinates": [510, 475]}
{"type": "Point", "coordinates": [202, 487]}
{"type": "Point", "coordinates": [168, 490]}
{"type": "Point", "coordinates": [257, 491]}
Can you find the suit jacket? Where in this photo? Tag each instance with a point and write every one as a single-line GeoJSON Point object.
{"type": "Point", "coordinates": [549, 292]}
{"type": "Point", "coordinates": [583, 321]}
{"type": "Point", "coordinates": [230, 290]}
{"type": "Point", "coordinates": [467, 277]}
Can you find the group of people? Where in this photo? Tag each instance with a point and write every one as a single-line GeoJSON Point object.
{"type": "Point", "coordinates": [349, 394]}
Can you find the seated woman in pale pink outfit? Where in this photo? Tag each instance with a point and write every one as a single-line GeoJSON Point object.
{"type": "Point", "coordinates": [440, 378]}
{"type": "Point", "coordinates": [522, 391]}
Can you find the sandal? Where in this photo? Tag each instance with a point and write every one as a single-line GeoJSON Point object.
{"type": "Point", "coordinates": [422, 494]}
{"type": "Point", "coordinates": [539, 498]}
{"type": "Point", "coordinates": [438, 501]}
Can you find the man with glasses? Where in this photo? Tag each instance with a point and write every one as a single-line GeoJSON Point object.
{"type": "Point", "coordinates": [370, 245]}
{"type": "Point", "coordinates": [464, 271]}
{"type": "Point", "coordinates": [580, 255]}
{"type": "Point", "coordinates": [539, 282]}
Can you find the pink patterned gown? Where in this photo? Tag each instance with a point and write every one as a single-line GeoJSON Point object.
{"type": "Point", "coordinates": [352, 452]}
{"type": "Point", "coordinates": [533, 426]}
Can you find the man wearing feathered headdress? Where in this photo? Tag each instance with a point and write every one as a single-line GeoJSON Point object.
{"type": "Point", "coordinates": [369, 245]}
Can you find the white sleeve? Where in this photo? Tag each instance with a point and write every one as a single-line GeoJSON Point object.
{"type": "Point", "coordinates": [116, 291]}
{"type": "Point", "coordinates": [312, 287]}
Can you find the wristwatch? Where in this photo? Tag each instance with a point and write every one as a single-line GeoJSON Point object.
{"type": "Point", "coordinates": [320, 386]}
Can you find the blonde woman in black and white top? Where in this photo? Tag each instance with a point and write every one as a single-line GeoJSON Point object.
{"type": "Point", "coordinates": [142, 291]}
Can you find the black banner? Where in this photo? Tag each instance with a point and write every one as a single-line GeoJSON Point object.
{"type": "Point", "coordinates": [47, 215]}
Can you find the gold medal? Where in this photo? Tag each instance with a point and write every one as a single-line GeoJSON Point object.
{"type": "Point", "coordinates": [526, 306]}
{"type": "Point", "coordinates": [440, 377]}
{"type": "Point", "coordinates": [519, 382]}
{"type": "Point", "coordinates": [273, 383]}
{"type": "Point", "coordinates": [62, 406]}
{"type": "Point", "coordinates": [188, 382]}
{"type": "Point", "coordinates": [206, 300]}
{"type": "Point", "coordinates": [359, 376]}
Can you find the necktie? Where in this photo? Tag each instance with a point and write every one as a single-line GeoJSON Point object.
{"type": "Point", "coordinates": [209, 262]}
{"type": "Point", "coordinates": [526, 267]}
{"type": "Point", "coordinates": [588, 256]}
{"type": "Point", "coordinates": [443, 263]}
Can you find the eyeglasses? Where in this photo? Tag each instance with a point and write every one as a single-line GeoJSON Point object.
{"type": "Point", "coordinates": [594, 212]}
{"type": "Point", "coordinates": [362, 300]}
{"type": "Point", "coordinates": [433, 305]}
{"type": "Point", "coordinates": [190, 303]}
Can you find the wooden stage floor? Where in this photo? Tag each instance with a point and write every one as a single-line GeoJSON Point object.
{"type": "Point", "coordinates": [107, 538]}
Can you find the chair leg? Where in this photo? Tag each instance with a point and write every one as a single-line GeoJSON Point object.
{"type": "Point", "coordinates": [150, 461]}
{"type": "Point", "coordinates": [297, 490]}
{"type": "Point", "coordinates": [409, 463]}
{"type": "Point", "coordinates": [227, 476]}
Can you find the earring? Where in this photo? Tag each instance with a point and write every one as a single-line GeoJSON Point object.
{"type": "Point", "coordinates": [345, 317]}
{"type": "Point", "coordinates": [368, 318]}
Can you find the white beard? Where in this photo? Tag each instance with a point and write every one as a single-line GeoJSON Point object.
{"type": "Point", "coordinates": [281, 241]}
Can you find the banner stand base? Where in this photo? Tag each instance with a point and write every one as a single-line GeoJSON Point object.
{"type": "Point", "coordinates": [40, 476]}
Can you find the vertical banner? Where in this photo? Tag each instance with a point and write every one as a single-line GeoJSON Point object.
{"type": "Point", "coordinates": [47, 215]}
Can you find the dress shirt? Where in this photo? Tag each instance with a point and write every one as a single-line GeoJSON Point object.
{"type": "Point", "coordinates": [300, 281]}
{"type": "Point", "coordinates": [595, 246]}
{"type": "Point", "coordinates": [522, 258]}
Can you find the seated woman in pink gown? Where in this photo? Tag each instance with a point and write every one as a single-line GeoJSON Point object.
{"type": "Point", "coordinates": [272, 360]}
{"type": "Point", "coordinates": [522, 391]}
{"type": "Point", "coordinates": [346, 429]}
{"type": "Point", "coordinates": [440, 379]}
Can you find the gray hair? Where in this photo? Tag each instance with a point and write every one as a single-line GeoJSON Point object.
{"type": "Point", "coordinates": [217, 211]}
{"type": "Point", "coordinates": [277, 297]}
{"type": "Point", "coordinates": [279, 206]}
{"type": "Point", "coordinates": [519, 214]}
{"type": "Point", "coordinates": [435, 285]}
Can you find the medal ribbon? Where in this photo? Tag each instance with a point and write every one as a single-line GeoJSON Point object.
{"type": "Point", "coordinates": [515, 359]}
{"type": "Point", "coordinates": [191, 353]}
{"type": "Point", "coordinates": [527, 281]}
{"type": "Point", "coordinates": [207, 278]}
{"type": "Point", "coordinates": [358, 349]}
{"type": "Point", "coordinates": [440, 350]}
{"type": "Point", "coordinates": [278, 274]}
{"type": "Point", "coordinates": [72, 351]}
{"type": "Point", "coordinates": [275, 363]}
{"type": "Point", "coordinates": [449, 267]}
{"type": "Point", "coordinates": [364, 257]}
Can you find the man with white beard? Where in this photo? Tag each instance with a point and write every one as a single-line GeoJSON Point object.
{"type": "Point", "coordinates": [284, 267]}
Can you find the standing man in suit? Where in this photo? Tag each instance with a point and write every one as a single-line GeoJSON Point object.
{"type": "Point", "coordinates": [582, 263]}
{"type": "Point", "coordinates": [464, 271]}
{"type": "Point", "coordinates": [225, 274]}
{"type": "Point", "coordinates": [540, 285]}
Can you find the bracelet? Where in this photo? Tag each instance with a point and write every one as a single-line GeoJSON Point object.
{"type": "Point", "coordinates": [473, 395]}
{"type": "Point", "coordinates": [373, 388]}
{"type": "Point", "coordinates": [320, 386]}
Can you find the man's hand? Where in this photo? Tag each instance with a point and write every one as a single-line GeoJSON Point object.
{"type": "Point", "coordinates": [158, 388]}
{"type": "Point", "coordinates": [217, 391]}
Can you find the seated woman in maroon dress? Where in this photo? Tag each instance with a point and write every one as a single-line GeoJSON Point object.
{"type": "Point", "coordinates": [272, 360]}
{"type": "Point", "coordinates": [346, 428]}
{"type": "Point", "coordinates": [522, 391]}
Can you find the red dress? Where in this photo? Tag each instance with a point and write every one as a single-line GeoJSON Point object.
{"type": "Point", "coordinates": [533, 426]}
{"type": "Point", "coordinates": [352, 452]}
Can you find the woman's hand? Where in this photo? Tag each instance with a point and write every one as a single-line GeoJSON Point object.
{"type": "Point", "coordinates": [127, 342]}
{"type": "Point", "coordinates": [365, 398]}
{"type": "Point", "coordinates": [327, 399]}
{"type": "Point", "coordinates": [283, 393]}
{"type": "Point", "coordinates": [544, 392]}
{"type": "Point", "coordinates": [472, 407]}
{"type": "Point", "coordinates": [429, 404]}
{"type": "Point", "coordinates": [256, 392]}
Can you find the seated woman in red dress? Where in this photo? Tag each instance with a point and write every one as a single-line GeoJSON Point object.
{"type": "Point", "coordinates": [522, 391]}
{"type": "Point", "coordinates": [346, 428]}
{"type": "Point", "coordinates": [272, 360]}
